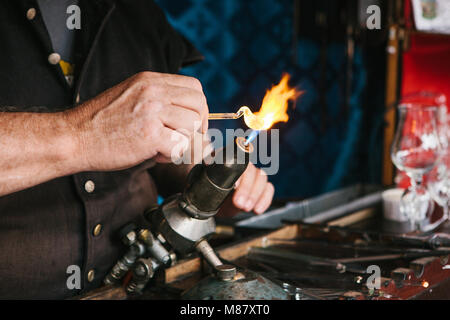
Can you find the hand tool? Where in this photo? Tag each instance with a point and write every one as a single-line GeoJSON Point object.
{"type": "Point", "coordinates": [336, 203]}
{"type": "Point", "coordinates": [268, 254]}
{"type": "Point", "coordinates": [433, 241]}
{"type": "Point", "coordinates": [386, 257]}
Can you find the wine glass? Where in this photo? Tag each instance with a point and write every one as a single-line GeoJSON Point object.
{"type": "Point", "coordinates": [438, 179]}
{"type": "Point", "coordinates": [415, 150]}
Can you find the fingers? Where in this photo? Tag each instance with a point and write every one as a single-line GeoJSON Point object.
{"type": "Point", "coordinates": [265, 199]}
{"type": "Point", "coordinates": [179, 90]}
{"type": "Point", "coordinates": [182, 81]}
{"type": "Point", "coordinates": [244, 187]}
{"type": "Point", "coordinates": [186, 98]}
{"type": "Point", "coordinates": [253, 191]}
{"type": "Point", "coordinates": [194, 84]}
{"type": "Point", "coordinates": [258, 188]}
{"type": "Point", "coordinates": [193, 100]}
{"type": "Point", "coordinates": [172, 144]}
{"type": "Point", "coordinates": [178, 118]}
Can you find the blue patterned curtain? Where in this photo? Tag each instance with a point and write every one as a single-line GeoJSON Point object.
{"type": "Point", "coordinates": [248, 45]}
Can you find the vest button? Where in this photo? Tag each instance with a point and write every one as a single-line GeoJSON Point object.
{"type": "Point", "coordinates": [54, 58]}
{"type": "Point", "coordinates": [31, 13]}
{"type": "Point", "coordinates": [97, 230]}
{"type": "Point", "coordinates": [89, 186]}
{"type": "Point", "coordinates": [91, 275]}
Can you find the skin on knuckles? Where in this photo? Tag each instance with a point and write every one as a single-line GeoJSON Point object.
{"type": "Point", "coordinates": [193, 98]}
{"type": "Point", "coordinates": [179, 90]}
{"type": "Point", "coordinates": [178, 118]}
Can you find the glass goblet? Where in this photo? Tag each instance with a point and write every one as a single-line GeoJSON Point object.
{"type": "Point", "coordinates": [415, 150]}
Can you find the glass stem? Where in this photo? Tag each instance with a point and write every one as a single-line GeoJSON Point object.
{"type": "Point", "coordinates": [416, 181]}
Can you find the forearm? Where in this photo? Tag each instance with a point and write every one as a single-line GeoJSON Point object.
{"type": "Point", "coordinates": [34, 148]}
{"type": "Point", "coordinates": [133, 121]}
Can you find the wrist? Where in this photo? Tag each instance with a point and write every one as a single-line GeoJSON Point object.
{"type": "Point", "coordinates": [72, 142]}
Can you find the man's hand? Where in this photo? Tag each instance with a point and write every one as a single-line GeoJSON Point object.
{"type": "Point", "coordinates": [149, 115]}
{"type": "Point", "coordinates": [253, 191]}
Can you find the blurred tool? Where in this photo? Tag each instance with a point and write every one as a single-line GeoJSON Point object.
{"type": "Point", "coordinates": [341, 281]}
{"type": "Point", "coordinates": [386, 257]}
{"type": "Point", "coordinates": [433, 241]}
{"type": "Point", "coordinates": [324, 207]}
{"type": "Point", "coordinates": [265, 254]}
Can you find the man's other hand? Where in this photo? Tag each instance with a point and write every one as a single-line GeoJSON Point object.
{"type": "Point", "coordinates": [253, 191]}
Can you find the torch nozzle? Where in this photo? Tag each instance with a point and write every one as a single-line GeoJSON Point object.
{"type": "Point", "coordinates": [252, 136]}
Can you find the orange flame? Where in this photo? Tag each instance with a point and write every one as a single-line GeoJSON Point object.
{"type": "Point", "coordinates": [274, 106]}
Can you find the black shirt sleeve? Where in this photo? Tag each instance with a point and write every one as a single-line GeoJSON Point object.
{"type": "Point", "coordinates": [180, 51]}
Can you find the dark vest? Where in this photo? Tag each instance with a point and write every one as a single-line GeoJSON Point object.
{"type": "Point", "coordinates": [46, 228]}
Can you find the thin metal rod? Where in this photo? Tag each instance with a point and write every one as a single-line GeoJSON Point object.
{"type": "Point", "coordinates": [220, 116]}
{"type": "Point", "coordinates": [224, 116]}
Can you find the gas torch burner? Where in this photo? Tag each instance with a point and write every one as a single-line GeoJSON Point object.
{"type": "Point", "coordinates": [185, 221]}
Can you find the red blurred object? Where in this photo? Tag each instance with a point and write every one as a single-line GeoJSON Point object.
{"type": "Point", "coordinates": [426, 64]}
{"type": "Point", "coordinates": [426, 67]}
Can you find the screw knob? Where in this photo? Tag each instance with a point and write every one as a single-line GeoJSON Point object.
{"type": "Point", "coordinates": [226, 272]}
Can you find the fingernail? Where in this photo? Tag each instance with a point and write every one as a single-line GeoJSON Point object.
{"type": "Point", "coordinates": [258, 209]}
{"type": "Point", "coordinates": [248, 205]}
{"type": "Point", "coordinates": [240, 201]}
